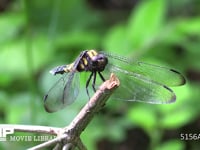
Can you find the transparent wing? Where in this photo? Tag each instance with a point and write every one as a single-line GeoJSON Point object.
{"type": "Point", "coordinates": [162, 75]}
{"type": "Point", "coordinates": [62, 93]}
{"type": "Point", "coordinates": [136, 87]}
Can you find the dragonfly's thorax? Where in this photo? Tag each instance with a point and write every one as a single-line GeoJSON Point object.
{"type": "Point", "coordinates": [92, 61]}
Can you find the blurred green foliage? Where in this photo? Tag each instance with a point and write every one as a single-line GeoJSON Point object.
{"type": "Point", "coordinates": [37, 35]}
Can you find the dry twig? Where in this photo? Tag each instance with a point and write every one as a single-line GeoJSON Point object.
{"type": "Point", "coordinates": [69, 136]}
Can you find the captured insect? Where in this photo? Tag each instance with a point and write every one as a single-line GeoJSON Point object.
{"type": "Point", "coordinates": [139, 81]}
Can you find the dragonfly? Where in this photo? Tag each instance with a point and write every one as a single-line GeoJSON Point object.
{"type": "Point", "coordinates": [140, 81]}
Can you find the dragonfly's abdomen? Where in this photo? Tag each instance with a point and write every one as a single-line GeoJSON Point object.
{"type": "Point", "coordinates": [62, 69]}
{"type": "Point", "coordinates": [88, 61]}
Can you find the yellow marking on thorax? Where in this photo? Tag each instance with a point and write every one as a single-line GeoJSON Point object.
{"type": "Point", "coordinates": [92, 53]}
{"type": "Point", "coordinates": [82, 66]}
{"type": "Point", "coordinates": [85, 62]}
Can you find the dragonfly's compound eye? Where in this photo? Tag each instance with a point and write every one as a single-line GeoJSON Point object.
{"type": "Point", "coordinates": [99, 62]}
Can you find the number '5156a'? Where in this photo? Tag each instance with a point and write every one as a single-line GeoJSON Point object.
{"type": "Point", "coordinates": [190, 136]}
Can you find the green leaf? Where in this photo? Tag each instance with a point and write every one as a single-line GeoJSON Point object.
{"type": "Point", "coordinates": [142, 116]}
{"type": "Point", "coordinates": [12, 58]}
{"type": "Point", "coordinates": [10, 26]}
{"type": "Point", "coordinates": [115, 40]}
{"type": "Point", "coordinates": [177, 118]}
{"type": "Point", "coordinates": [145, 22]}
{"type": "Point", "coordinates": [81, 38]}
{"type": "Point", "coordinates": [172, 145]}
{"type": "Point", "coordinates": [191, 28]}
{"type": "Point", "coordinates": [16, 113]}
{"type": "Point", "coordinates": [177, 31]}
{"type": "Point", "coordinates": [16, 57]}
{"type": "Point", "coordinates": [183, 110]}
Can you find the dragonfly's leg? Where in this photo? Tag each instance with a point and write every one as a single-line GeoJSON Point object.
{"type": "Point", "coordinates": [94, 80]}
{"type": "Point", "coordinates": [87, 83]}
{"type": "Point", "coordinates": [102, 78]}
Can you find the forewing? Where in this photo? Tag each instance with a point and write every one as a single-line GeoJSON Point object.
{"type": "Point", "coordinates": [62, 93]}
{"type": "Point", "coordinates": [162, 75]}
{"type": "Point", "coordinates": [136, 87]}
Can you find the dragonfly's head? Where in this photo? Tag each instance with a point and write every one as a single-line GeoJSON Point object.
{"type": "Point", "coordinates": [98, 62]}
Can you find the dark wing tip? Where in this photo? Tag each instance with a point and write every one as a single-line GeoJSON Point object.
{"type": "Point", "coordinates": [45, 106]}
{"type": "Point", "coordinates": [45, 97]}
{"type": "Point", "coordinates": [175, 71]}
{"type": "Point", "coordinates": [183, 80]}
{"type": "Point", "coordinates": [47, 109]}
{"type": "Point", "coordinates": [173, 98]}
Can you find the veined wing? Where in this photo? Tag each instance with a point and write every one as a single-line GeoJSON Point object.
{"type": "Point", "coordinates": [162, 75]}
{"type": "Point", "coordinates": [136, 87]}
{"type": "Point", "coordinates": [62, 93]}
